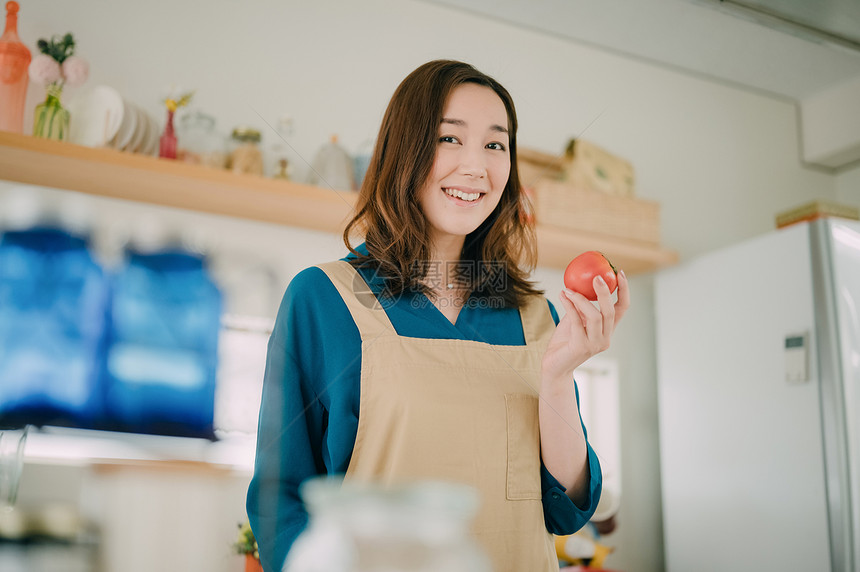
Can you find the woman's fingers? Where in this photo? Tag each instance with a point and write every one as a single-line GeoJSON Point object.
{"type": "Point", "coordinates": [564, 298]}
{"type": "Point", "coordinates": [578, 303]}
{"type": "Point", "coordinates": [623, 296]}
{"type": "Point", "coordinates": [604, 301]}
{"type": "Point", "coordinates": [591, 320]}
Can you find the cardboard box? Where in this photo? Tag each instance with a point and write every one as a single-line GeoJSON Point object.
{"type": "Point", "coordinates": [534, 166]}
{"type": "Point", "coordinates": [588, 166]}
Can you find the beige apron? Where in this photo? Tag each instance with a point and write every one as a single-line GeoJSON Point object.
{"type": "Point", "coordinates": [458, 410]}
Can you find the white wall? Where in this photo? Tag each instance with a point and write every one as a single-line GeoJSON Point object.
{"type": "Point", "coordinates": [710, 153]}
{"type": "Point", "coordinates": [831, 125]}
{"type": "Point", "coordinates": [848, 187]}
{"type": "Point", "coordinates": [722, 161]}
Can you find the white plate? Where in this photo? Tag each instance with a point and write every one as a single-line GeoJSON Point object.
{"type": "Point", "coordinates": [155, 136]}
{"type": "Point", "coordinates": [95, 116]}
{"type": "Point", "coordinates": [140, 133]}
{"type": "Point", "coordinates": [151, 133]}
{"type": "Point", "coordinates": [127, 128]}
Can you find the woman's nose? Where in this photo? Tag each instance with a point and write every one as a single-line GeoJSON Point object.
{"type": "Point", "coordinates": [473, 162]}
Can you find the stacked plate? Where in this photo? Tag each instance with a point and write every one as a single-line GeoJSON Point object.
{"type": "Point", "coordinates": [101, 117]}
{"type": "Point", "coordinates": [138, 132]}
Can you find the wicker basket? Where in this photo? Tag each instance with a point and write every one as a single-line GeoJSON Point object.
{"type": "Point", "coordinates": [564, 205]}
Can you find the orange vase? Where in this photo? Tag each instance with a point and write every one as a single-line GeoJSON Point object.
{"type": "Point", "coordinates": [252, 564]}
{"type": "Point", "coordinates": [14, 60]}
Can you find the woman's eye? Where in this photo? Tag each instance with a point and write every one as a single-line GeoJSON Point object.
{"type": "Point", "coordinates": [496, 146]}
{"type": "Point", "coordinates": [448, 139]}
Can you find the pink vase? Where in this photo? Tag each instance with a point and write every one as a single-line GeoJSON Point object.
{"type": "Point", "coordinates": [167, 146]}
{"type": "Point", "coordinates": [14, 60]}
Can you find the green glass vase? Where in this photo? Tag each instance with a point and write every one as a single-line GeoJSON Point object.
{"type": "Point", "coordinates": [51, 119]}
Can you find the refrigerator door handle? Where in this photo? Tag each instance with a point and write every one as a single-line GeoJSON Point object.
{"type": "Point", "coordinates": [832, 392]}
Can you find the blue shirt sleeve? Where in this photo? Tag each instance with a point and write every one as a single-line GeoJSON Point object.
{"type": "Point", "coordinates": [561, 515]}
{"type": "Point", "coordinates": [293, 422]}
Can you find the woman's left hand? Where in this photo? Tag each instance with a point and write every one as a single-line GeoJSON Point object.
{"type": "Point", "coordinates": [585, 330]}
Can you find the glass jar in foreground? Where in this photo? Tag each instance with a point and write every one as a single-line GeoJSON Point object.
{"type": "Point", "coordinates": [354, 527]}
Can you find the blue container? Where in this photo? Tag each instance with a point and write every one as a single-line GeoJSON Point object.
{"type": "Point", "coordinates": [162, 357]}
{"type": "Point", "coordinates": [53, 298]}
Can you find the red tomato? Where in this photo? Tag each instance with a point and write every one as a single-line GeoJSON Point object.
{"type": "Point", "coordinates": [580, 273]}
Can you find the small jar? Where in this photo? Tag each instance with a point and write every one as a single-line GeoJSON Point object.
{"type": "Point", "coordinates": [282, 168]}
{"type": "Point", "coordinates": [198, 142]}
{"type": "Point", "coordinates": [246, 156]}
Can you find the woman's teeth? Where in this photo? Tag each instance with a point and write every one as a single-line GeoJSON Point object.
{"type": "Point", "coordinates": [461, 195]}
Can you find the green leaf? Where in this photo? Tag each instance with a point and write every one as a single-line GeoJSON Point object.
{"type": "Point", "coordinates": [58, 47]}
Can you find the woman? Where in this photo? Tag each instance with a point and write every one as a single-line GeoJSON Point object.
{"type": "Point", "coordinates": [454, 368]}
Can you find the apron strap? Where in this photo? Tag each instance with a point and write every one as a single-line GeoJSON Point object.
{"type": "Point", "coordinates": [367, 313]}
{"type": "Point", "coordinates": [538, 324]}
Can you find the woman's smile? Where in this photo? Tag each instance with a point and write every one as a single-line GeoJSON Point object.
{"type": "Point", "coordinates": [463, 195]}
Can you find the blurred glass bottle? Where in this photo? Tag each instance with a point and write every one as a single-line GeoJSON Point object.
{"type": "Point", "coordinates": [162, 356]}
{"type": "Point", "coordinates": [283, 154]}
{"type": "Point", "coordinates": [14, 60]}
{"type": "Point", "coordinates": [53, 299]}
{"type": "Point", "coordinates": [333, 168]}
{"type": "Point", "coordinates": [354, 527]}
{"type": "Point", "coordinates": [199, 142]}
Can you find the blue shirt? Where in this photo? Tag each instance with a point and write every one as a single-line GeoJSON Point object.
{"type": "Point", "coordinates": [309, 411]}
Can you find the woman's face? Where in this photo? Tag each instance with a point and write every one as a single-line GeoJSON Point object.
{"type": "Point", "coordinates": [472, 164]}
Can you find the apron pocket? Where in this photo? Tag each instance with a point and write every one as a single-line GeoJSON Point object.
{"type": "Point", "coordinates": [523, 479]}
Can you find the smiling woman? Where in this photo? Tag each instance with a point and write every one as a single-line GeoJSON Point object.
{"type": "Point", "coordinates": [447, 124]}
{"type": "Point", "coordinates": [456, 368]}
{"type": "Point", "coordinates": [470, 171]}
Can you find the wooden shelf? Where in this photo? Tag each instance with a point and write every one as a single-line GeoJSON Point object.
{"type": "Point", "coordinates": [111, 173]}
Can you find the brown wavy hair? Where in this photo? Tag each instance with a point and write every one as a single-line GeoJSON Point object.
{"type": "Point", "coordinates": [388, 213]}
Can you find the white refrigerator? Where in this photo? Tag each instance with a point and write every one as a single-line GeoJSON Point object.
{"type": "Point", "coordinates": [759, 402]}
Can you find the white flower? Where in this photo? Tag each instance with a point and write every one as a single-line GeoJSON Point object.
{"type": "Point", "coordinates": [75, 70]}
{"type": "Point", "coordinates": [45, 70]}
